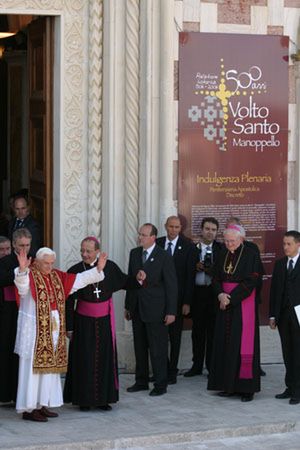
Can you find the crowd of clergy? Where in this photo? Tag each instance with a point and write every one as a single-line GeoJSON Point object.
{"type": "Point", "coordinates": [54, 322]}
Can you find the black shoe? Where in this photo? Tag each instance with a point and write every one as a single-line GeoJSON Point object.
{"type": "Point", "coordinates": [284, 394]}
{"type": "Point", "coordinates": [193, 372]}
{"type": "Point", "coordinates": [225, 394]}
{"type": "Point", "coordinates": [137, 387]}
{"type": "Point", "coordinates": [294, 401]}
{"type": "Point", "coordinates": [105, 407]}
{"type": "Point", "coordinates": [172, 380]}
{"type": "Point", "coordinates": [157, 391]}
{"type": "Point", "coordinates": [84, 408]}
{"type": "Point", "coordinates": [262, 372]}
{"type": "Point", "coordinates": [246, 397]}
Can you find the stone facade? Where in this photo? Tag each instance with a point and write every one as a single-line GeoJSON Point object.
{"type": "Point", "coordinates": [116, 103]}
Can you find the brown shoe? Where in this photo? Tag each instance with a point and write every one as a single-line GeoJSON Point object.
{"type": "Point", "coordinates": [47, 413]}
{"type": "Point", "coordinates": [34, 416]}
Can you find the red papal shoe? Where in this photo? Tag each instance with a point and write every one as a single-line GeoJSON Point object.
{"type": "Point", "coordinates": [47, 413]}
{"type": "Point", "coordinates": [34, 416]}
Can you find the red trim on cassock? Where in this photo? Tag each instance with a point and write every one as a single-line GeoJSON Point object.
{"type": "Point", "coordinates": [17, 297]}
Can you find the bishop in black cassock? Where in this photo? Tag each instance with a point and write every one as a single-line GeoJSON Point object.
{"type": "Point", "coordinates": [235, 356]}
{"type": "Point", "coordinates": [92, 376]}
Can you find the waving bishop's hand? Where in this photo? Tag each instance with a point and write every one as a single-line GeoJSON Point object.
{"type": "Point", "coordinates": [101, 261]}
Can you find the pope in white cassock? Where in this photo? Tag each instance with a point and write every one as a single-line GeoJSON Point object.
{"type": "Point", "coordinates": [41, 336]}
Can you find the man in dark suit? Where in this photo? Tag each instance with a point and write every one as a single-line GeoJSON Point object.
{"type": "Point", "coordinates": [5, 246]}
{"type": "Point", "coordinates": [23, 219]}
{"type": "Point", "coordinates": [284, 297]}
{"type": "Point", "coordinates": [185, 258]}
{"type": "Point", "coordinates": [205, 304]}
{"type": "Point", "coordinates": [8, 317]}
{"type": "Point", "coordinates": [151, 308]}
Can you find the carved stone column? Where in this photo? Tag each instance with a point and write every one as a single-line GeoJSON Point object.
{"type": "Point", "coordinates": [166, 132]}
{"type": "Point", "coordinates": [95, 116]}
{"type": "Point", "coordinates": [132, 92]}
{"type": "Point", "coordinates": [157, 111]}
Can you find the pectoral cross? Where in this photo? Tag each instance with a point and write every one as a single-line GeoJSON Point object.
{"type": "Point", "coordinates": [97, 292]}
{"type": "Point", "coordinates": [229, 268]}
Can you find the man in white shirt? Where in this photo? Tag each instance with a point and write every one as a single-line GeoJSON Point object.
{"type": "Point", "coordinates": [204, 305]}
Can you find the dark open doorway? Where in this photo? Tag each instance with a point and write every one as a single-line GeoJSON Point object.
{"type": "Point", "coordinates": [26, 130]}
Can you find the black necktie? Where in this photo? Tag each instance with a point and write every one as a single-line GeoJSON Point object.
{"type": "Point", "coordinates": [169, 249]}
{"type": "Point", "coordinates": [290, 266]}
{"type": "Point", "coordinates": [144, 256]}
{"type": "Point", "coordinates": [18, 224]}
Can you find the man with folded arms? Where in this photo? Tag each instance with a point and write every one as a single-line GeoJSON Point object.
{"type": "Point", "coordinates": [284, 297]}
{"type": "Point", "coordinates": [40, 341]}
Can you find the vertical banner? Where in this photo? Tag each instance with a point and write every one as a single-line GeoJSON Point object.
{"type": "Point", "coordinates": [233, 136]}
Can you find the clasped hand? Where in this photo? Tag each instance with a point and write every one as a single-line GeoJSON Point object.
{"type": "Point", "coordinates": [224, 300]}
{"type": "Point", "coordinates": [141, 276]}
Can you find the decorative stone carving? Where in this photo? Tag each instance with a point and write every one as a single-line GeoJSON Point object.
{"type": "Point", "coordinates": [78, 16]}
{"type": "Point", "coordinates": [95, 115]}
{"type": "Point", "coordinates": [132, 92]}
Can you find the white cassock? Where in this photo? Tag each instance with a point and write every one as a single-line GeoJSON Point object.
{"type": "Point", "coordinates": [39, 389]}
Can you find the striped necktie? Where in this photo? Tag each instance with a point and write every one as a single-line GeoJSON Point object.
{"type": "Point", "coordinates": [144, 256]}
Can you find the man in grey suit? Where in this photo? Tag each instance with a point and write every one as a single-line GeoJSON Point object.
{"type": "Point", "coordinates": [151, 309]}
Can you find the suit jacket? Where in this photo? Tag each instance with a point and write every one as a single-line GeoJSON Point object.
{"type": "Point", "coordinates": [185, 259]}
{"type": "Point", "coordinates": [7, 265]}
{"type": "Point", "coordinates": [33, 226]}
{"type": "Point", "coordinates": [279, 285]}
{"type": "Point", "coordinates": [158, 297]}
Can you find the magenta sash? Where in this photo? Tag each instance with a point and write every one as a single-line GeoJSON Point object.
{"type": "Point", "coordinates": [9, 294]}
{"type": "Point", "coordinates": [102, 309]}
{"type": "Point", "coordinates": [248, 331]}
{"type": "Point", "coordinates": [93, 309]}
